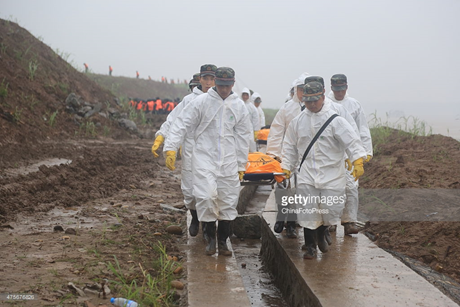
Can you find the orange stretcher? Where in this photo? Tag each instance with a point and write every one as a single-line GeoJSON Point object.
{"type": "Point", "coordinates": [262, 170]}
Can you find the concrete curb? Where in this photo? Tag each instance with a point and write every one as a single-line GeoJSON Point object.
{"type": "Point", "coordinates": [287, 278]}
{"type": "Point", "coordinates": [246, 193]}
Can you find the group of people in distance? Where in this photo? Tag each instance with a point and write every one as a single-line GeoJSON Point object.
{"type": "Point", "coordinates": [154, 106]}
{"type": "Point", "coordinates": [322, 140]}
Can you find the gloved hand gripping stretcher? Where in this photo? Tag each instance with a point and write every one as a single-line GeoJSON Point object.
{"type": "Point", "coordinates": [262, 170]}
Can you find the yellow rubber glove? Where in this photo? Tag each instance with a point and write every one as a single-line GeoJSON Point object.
{"type": "Point", "coordinates": [287, 173]}
{"type": "Point", "coordinates": [171, 159]}
{"type": "Point", "coordinates": [358, 169]}
{"type": "Point", "coordinates": [256, 133]}
{"type": "Point", "coordinates": [348, 164]}
{"type": "Point", "coordinates": [241, 174]}
{"type": "Point", "coordinates": [369, 157]}
{"type": "Point", "coordinates": [158, 141]}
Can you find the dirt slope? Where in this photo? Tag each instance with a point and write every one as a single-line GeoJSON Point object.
{"type": "Point", "coordinates": [106, 186]}
{"type": "Point", "coordinates": [405, 165]}
{"type": "Point", "coordinates": [34, 83]}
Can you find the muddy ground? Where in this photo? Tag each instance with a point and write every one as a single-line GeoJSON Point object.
{"type": "Point", "coordinates": [417, 182]}
{"type": "Point", "coordinates": [110, 195]}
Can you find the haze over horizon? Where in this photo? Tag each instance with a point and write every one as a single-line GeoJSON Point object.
{"type": "Point", "coordinates": [400, 58]}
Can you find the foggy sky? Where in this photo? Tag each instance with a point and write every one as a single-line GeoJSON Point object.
{"type": "Point", "coordinates": [400, 57]}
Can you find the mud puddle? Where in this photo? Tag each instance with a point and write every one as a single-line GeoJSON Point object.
{"type": "Point", "coordinates": [64, 217]}
{"type": "Point", "coordinates": [24, 170]}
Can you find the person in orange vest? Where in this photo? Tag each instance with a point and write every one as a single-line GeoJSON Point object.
{"type": "Point", "coordinates": [158, 106]}
{"type": "Point", "coordinates": [137, 74]}
{"type": "Point", "coordinates": [110, 70]}
{"type": "Point", "coordinates": [140, 105]}
{"type": "Point", "coordinates": [150, 105]}
{"type": "Point", "coordinates": [86, 67]}
{"type": "Point", "coordinates": [150, 78]}
{"type": "Point", "coordinates": [132, 103]}
{"type": "Point", "coordinates": [169, 106]}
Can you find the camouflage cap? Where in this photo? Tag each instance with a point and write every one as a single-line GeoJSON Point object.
{"type": "Point", "coordinates": [225, 76]}
{"type": "Point", "coordinates": [312, 91]}
{"type": "Point", "coordinates": [195, 80]}
{"type": "Point", "coordinates": [339, 82]}
{"type": "Point", "coordinates": [314, 78]}
{"type": "Point", "coordinates": [208, 69]}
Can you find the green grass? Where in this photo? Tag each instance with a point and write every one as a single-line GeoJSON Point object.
{"type": "Point", "coordinates": [53, 118]}
{"type": "Point", "coordinates": [4, 89]}
{"type": "Point", "coordinates": [145, 289]}
{"type": "Point", "coordinates": [33, 66]}
{"type": "Point", "coordinates": [408, 126]}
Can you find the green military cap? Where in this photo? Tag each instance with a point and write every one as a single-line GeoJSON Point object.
{"type": "Point", "coordinates": [312, 91]}
{"type": "Point", "coordinates": [339, 82]}
{"type": "Point", "coordinates": [314, 78]}
{"type": "Point", "coordinates": [195, 80]}
{"type": "Point", "coordinates": [225, 76]}
{"type": "Point", "coordinates": [208, 69]}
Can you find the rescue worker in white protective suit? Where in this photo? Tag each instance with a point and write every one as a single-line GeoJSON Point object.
{"type": "Point", "coordinates": [257, 100]}
{"type": "Point", "coordinates": [207, 75]}
{"type": "Point", "coordinates": [278, 128]}
{"type": "Point", "coordinates": [339, 95]}
{"type": "Point", "coordinates": [219, 123]}
{"type": "Point", "coordinates": [339, 109]}
{"type": "Point", "coordinates": [253, 116]}
{"type": "Point", "coordinates": [194, 82]}
{"type": "Point", "coordinates": [321, 179]}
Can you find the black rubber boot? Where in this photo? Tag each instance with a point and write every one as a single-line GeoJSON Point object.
{"type": "Point", "coordinates": [195, 224]}
{"type": "Point", "coordinates": [279, 225]}
{"type": "Point", "coordinates": [280, 217]}
{"type": "Point", "coordinates": [327, 236]}
{"type": "Point", "coordinates": [223, 232]}
{"type": "Point", "coordinates": [210, 238]}
{"type": "Point", "coordinates": [322, 243]}
{"type": "Point", "coordinates": [310, 243]}
{"type": "Point", "coordinates": [290, 230]}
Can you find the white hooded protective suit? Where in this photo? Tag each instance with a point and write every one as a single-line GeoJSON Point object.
{"type": "Point", "coordinates": [323, 171]}
{"type": "Point", "coordinates": [187, 147]}
{"type": "Point", "coordinates": [254, 119]}
{"type": "Point", "coordinates": [259, 110]}
{"type": "Point", "coordinates": [280, 123]}
{"type": "Point", "coordinates": [350, 212]}
{"type": "Point", "coordinates": [221, 130]}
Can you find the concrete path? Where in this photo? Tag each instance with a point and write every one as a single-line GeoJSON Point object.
{"type": "Point", "coordinates": [355, 272]}
{"type": "Point", "coordinates": [212, 280]}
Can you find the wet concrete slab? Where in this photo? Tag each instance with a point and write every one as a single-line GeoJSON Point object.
{"type": "Point", "coordinates": [212, 280]}
{"type": "Point", "coordinates": [355, 272]}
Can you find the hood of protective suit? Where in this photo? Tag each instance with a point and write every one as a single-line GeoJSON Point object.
{"type": "Point", "coordinates": [247, 91]}
{"type": "Point", "coordinates": [332, 97]}
{"type": "Point", "coordinates": [299, 81]}
{"type": "Point", "coordinates": [256, 95]}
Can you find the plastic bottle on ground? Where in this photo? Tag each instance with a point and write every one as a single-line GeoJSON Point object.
{"type": "Point", "coordinates": [122, 302]}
